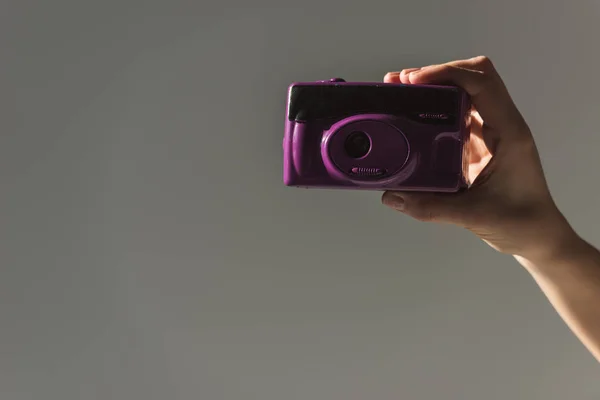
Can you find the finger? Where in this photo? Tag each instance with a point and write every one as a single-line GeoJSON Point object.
{"type": "Point", "coordinates": [481, 146]}
{"type": "Point", "coordinates": [482, 133]}
{"type": "Point", "coordinates": [455, 208]}
{"type": "Point", "coordinates": [392, 77]}
{"type": "Point", "coordinates": [477, 167]}
{"type": "Point", "coordinates": [399, 77]}
{"type": "Point", "coordinates": [476, 146]}
{"type": "Point", "coordinates": [477, 149]}
{"type": "Point", "coordinates": [476, 124]}
{"type": "Point", "coordinates": [478, 77]}
{"type": "Point", "coordinates": [405, 73]}
{"type": "Point", "coordinates": [480, 63]}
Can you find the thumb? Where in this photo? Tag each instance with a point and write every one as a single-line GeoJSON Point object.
{"type": "Point", "coordinates": [451, 208]}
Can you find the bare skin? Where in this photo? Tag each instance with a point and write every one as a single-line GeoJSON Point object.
{"type": "Point", "coordinates": [509, 205]}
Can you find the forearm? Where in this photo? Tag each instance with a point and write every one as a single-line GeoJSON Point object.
{"type": "Point", "coordinates": [570, 278]}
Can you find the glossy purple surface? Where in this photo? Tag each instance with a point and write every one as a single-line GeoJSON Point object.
{"type": "Point", "coordinates": [419, 147]}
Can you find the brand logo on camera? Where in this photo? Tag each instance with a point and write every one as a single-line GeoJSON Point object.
{"type": "Point", "coordinates": [436, 116]}
{"type": "Point", "coordinates": [362, 171]}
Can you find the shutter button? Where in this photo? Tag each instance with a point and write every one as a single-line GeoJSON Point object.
{"type": "Point", "coordinates": [333, 80]}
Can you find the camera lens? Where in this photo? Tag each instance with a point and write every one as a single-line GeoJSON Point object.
{"type": "Point", "coordinates": [357, 144]}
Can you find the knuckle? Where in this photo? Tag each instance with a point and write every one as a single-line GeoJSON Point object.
{"type": "Point", "coordinates": [485, 63]}
{"type": "Point", "coordinates": [423, 216]}
{"type": "Point", "coordinates": [421, 210]}
{"type": "Point", "coordinates": [524, 145]}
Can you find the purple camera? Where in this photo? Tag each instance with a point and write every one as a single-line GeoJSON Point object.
{"type": "Point", "coordinates": [376, 136]}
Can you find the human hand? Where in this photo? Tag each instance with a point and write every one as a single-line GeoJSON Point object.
{"type": "Point", "coordinates": [509, 204]}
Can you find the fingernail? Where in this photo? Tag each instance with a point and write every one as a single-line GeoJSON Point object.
{"type": "Point", "coordinates": [394, 200]}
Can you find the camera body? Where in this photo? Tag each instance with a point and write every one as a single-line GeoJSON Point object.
{"type": "Point", "coordinates": [376, 136]}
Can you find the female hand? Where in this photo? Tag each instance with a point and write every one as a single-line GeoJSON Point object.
{"type": "Point", "coordinates": [508, 204]}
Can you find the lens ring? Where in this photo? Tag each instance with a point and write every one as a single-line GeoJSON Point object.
{"type": "Point", "coordinates": [357, 144]}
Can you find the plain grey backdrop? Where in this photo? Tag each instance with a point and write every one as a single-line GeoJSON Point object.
{"type": "Point", "coordinates": [149, 250]}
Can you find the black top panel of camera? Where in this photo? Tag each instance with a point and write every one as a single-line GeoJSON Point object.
{"type": "Point", "coordinates": [313, 102]}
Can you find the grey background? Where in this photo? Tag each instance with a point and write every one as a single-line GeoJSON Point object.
{"type": "Point", "coordinates": [149, 250]}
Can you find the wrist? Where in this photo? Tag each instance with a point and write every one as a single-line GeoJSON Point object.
{"type": "Point", "coordinates": [557, 245]}
{"type": "Point", "coordinates": [549, 237]}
